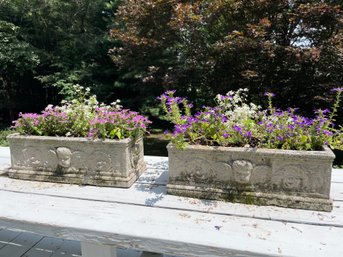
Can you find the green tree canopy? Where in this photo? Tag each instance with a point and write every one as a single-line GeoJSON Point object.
{"type": "Point", "coordinates": [17, 60]}
{"type": "Point", "coordinates": [71, 40]}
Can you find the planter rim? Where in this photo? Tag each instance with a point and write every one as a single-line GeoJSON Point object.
{"type": "Point", "coordinates": [123, 142]}
{"type": "Point", "coordinates": [325, 153]}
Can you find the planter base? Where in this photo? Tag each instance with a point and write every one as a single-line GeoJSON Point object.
{"type": "Point", "coordinates": [255, 198]}
{"type": "Point", "coordinates": [286, 178]}
{"type": "Point", "coordinates": [124, 182]}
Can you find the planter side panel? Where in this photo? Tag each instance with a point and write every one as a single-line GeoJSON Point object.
{"type": "Point", "coordinates": [75, 161]}
{"type": "Point", "coordinates": [248, 175]}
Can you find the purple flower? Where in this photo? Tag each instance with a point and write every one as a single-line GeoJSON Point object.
{"type": "Point", "coordinates": [280, 138]}
{"type": "Point", "coordinates": [327, 133]}
{"type": "Point", "coordinates": [100, 120]}
{"type": "Point", "coordinates": [185, 126]}
{"type": "Point", "coordinates": [92, 133]}
{"type": "Point", "coordinates": [325, 111]}
{"type": "Point", "coordinates": [30, 115]}
{"type": "Point", "coordinates": [161, 98]}
{"type": "Point", "coordinates": [306, 122]}
{"type": "Point", "coordinates": [168, 95]}
{"type": "Point", "coordinates": [137, 119]}
{"type": "Point", "coordinates": [224, 97]}
{"type": "Point", "coordinates": [337, 89]}
{"type": "Point", "coordinates": [269, 94]}
{"type": "Point", "coordinates": [237, 128]}
{"type": "Point", "coordinates": [291, 126]}
{"type": "Point", "coordinates": [225, 135]}
{"type": "Point", "coordinates": [224, 119]}
{"type": "Point", "coordinates": [170, 92]}
{"type": "Point", "coordinates": [280, 113]}
{"type": "Point", "coordinates": [248, 134]}
{"type": "Point", "coordinates": [192, 120]}
{"type": "Point", "coordinates": [179, 129]}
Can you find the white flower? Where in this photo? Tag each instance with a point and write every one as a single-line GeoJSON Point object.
{"type": "Point", "coordinates": [236, 108]}
{"type": "Point", "coordinates": [49, 107]}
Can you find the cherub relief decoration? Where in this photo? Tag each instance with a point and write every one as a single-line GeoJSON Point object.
{"type": "Point", "coordinates": [64, 161]}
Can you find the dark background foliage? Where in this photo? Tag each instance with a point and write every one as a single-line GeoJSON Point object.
{"type": "Point", "coordinates": [48, 46]}
{"type": "Point", "coordinates": [201, 48]}
{"type": "Point", "coordinates": [135, 49]}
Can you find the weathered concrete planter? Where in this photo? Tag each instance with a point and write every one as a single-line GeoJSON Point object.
{"type": "Point", "coordinates": [116, 163]}
{"type": "Point", "coordinates": [295, 179]}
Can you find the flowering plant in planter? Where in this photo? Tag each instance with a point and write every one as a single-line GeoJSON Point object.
{"type": "Point", "coordinates": [239, 152]}
{"type": "Point", "coordinates": [83, 116]}
{"type": "Point", "coordinates": [234, 122]}
{"type": "Point", "coordinates": [82, 142]}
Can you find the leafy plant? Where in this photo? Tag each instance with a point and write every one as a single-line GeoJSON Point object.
{"type": "Point", "coordinates": [3, 134]}
{"type": "Point", "coordinates": [233, 122]}
{"type": "Point", "coordinates": [83, 116]}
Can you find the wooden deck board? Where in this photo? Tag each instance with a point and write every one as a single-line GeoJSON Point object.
{"type": "Point", "coordinates": [20, 245]}
{"type": "Point", "coordinates": [6, 237]}
{"type": "Point", "coordinates": [152, 195]}
{"type": "Point", "coordinates": [50, 247]}
{"type": "Point", "coordinates": [45, 248]}
{"type": "Point", "coordinates": [209, 230]}
{"type": "Point", "coordinates": [68, 249]}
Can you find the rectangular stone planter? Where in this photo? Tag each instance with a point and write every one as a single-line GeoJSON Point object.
{"type": "Point", "coordinates": [115, 163]}
{"type": "Point", "coordinates": [295, 179]}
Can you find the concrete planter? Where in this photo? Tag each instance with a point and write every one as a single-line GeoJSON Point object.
{"type": "Point", "coordinates": [115, 163]}
{"type": "Point", "coordinates": [295, 179]}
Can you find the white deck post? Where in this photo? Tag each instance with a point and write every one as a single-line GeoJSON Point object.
{"type": "Point", "coordinates": [95, 250]}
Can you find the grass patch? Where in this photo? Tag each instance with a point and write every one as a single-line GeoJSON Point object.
{"type": "Point", "coordinates": [155, 144]}
{"type": "Point", "coordinates": [3, 134]}
{"type": "Point", "coordinates": [338, 162]}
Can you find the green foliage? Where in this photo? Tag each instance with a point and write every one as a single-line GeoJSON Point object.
{"type": "Point", "coordinates": [70, 40]}
{"type": "Point", "coordinates": [3, 134]}
{"type": "Point", "coordinates": [16, 55]}
{"type": "Point", "coordinates": [17, 60]}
